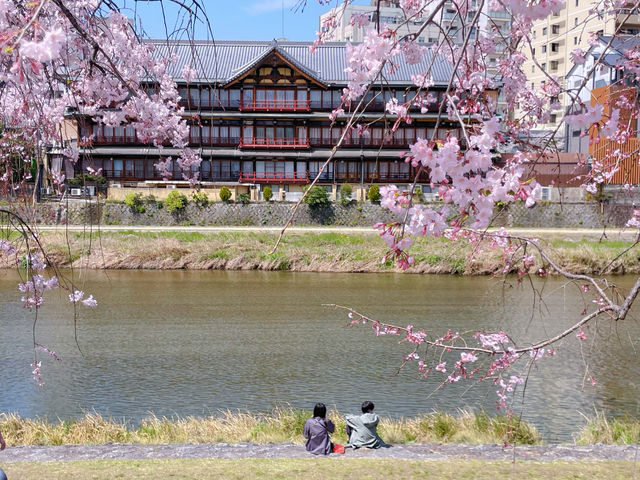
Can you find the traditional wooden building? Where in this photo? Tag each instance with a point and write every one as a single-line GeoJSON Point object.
{"type": "Point", "coordinates": [259, 115]}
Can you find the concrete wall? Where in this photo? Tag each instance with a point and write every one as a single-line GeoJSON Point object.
{"type": "Point", "coordinates": [543, 215]}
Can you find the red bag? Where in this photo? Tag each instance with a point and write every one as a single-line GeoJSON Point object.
{"type": "Point", "coordinates": [337, 448]}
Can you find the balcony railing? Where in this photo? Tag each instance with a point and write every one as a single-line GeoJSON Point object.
{"type": "Point", "coordinates": [214, 141]}
{"type": "Point", "coordinates": [277, 105]}
{"type": "Point", "coordinates": [273, 142]}
{"type": "Point", "coordinates": [114, 139]}
{"type": "Point", "coordinates": [273, 177]}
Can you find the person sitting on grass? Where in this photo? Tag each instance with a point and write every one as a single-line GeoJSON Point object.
{"type": "Point", "coordinates": [362, 429]}
{"type": "Point", "coordinates": [316, 431]}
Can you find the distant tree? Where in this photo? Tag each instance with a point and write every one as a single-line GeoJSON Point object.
{"type": "Point", "coordinates": [267, 194]}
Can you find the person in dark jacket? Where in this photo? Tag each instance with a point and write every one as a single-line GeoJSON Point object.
{"type": "Point", "coordinates": [317, 430]}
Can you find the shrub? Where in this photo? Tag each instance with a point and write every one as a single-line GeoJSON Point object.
{"type": "Point", "coordinates": [225, 194]}
{"type": "Point", "coordinates": [149, 199]}
{"type": "Point", "coordinates": [317, 197]}
{"type": "Point", "coordinates": [82, 178]}
{"type": "Point", "coordinates": [134, 202]}
{"type": "Point", "coordinates": [374, 194]}
{"type": "Point", "coordinates": [267, 194]}
{"type": "Point", "coordinates": [345, 194]}
{"type": "Point", "coordinates": [176, 201]}
{"type": "Point", "coordinates": [200, 198]}
{"type": "Point", "coordinates": [244, 198]}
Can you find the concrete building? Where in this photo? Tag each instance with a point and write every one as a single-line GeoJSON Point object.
{"type": "Point", "coordinates": [447, 22]}
{"type": "Point", "coordinates": [554, 38]}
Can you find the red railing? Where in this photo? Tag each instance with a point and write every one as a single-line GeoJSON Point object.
{"type": "Point", "coordinates": [273, 177]}
{"type": "Point", "coordinates": [273, 142]}
{"type": "Point", "coordinates": [278, 105]}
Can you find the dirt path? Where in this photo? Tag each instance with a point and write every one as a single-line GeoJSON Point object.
{"type": "Point", "coordinates": [288, 450]}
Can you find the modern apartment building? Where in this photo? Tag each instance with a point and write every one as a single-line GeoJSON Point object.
{"type": "Point", "coordinates": [259, 115]}
{"type": "Point", "coordinates": [337, 21]}
{"type": "Point", "coordinates": [554, 38]}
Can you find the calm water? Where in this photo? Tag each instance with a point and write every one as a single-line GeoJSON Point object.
{"type": "Point", "coordinates": [192, 343]}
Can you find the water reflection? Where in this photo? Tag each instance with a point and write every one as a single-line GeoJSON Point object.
{"type": "Point", "coordinates": [192, 343]}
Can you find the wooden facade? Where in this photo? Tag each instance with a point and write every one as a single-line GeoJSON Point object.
{"type": "Point", "coordinates": [269, 124]}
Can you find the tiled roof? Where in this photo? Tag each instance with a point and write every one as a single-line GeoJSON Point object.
{"type": "Point", "coordinates": [222, 61]}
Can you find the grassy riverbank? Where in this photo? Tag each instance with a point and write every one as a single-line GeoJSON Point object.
{"type": "Point", "coordinates": [320, 468]}
{"type": "Point", "coordinates": [285, 425]}
{"type": "Point", "coordinates": [317, 252]}
{"type": "Point", "coordinates": [282, 425]}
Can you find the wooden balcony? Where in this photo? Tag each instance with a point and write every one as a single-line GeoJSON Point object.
{"type": "Point", "coordinates": [114, 140]}
{"type": "Point", "coordinates": [275, 106]}
{"type": "Point", "coordinates": [273, 177]}
{"type": "Point", "coordinates": [274, 143]}
{"type": "Point", "coordinates": [214, 141]}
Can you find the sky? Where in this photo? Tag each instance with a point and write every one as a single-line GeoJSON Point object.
{"type": "Point", "coordinates": [233, 19]}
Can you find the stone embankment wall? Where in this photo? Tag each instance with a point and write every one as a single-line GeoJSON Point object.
{"type": "Point", "coordinates": [543, 215]}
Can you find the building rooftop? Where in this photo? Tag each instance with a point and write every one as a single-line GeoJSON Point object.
{"type": "Point", "coordinates": [223, 61]}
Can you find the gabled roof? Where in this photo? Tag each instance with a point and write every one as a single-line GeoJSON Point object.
{"type": "Point", "coordinates": [222, 61]}
{"type": "Point", "coordinates": [282, 54]}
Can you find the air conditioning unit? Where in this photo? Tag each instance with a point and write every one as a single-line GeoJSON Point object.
{"type": "Point", "coordinates": [76, 192]}
{"type": "Point", "coordinates": [46, 191]}
{"type": "Point", "coordinates": [90, 190]}
{"type": "Point", "coordinates": [545, 193]}
{"type": "Point", "coordinates": [171, 186]}
{"type": "Point", "coordinates": [116, 185]}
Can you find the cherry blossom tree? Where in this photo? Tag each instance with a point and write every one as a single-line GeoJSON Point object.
{"type": "Point", "coordinates": [64, 59]}
{"type": "Point", "coordinates": [60, 61]}
{"type": "Point", "coordinates": [468, 180]}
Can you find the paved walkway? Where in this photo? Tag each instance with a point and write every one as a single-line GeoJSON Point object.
{"type": "Point", "coordinates": [288, 450]}
{"type": "Point", "coordinates": [612, 234]}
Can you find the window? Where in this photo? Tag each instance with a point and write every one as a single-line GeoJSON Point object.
{"type": "Point", "coordinates": [533, 85]}
{"type": "Point", "coordinates": [554, 65]}
{"type": "Point", "coordinates": [544, 31]}
{"type": "Point", "coordinates": [544, 49]}
{"type": "Point", "coordinates": [552, 118]}
{"type": "Point", "coordinates": [421, 40]}
{"type": "Point", "coordinates": [575, 22]}
{"type": "Point", "coordinates": [575, 40]}
{"type": "Point", "coordinates": [533, 52]}
{"type": "Point", "coordinates": [544, 67]}
{"type": "Point", "coordinates": [555, 29]}
{"type": "Point", "coordinates": [534, 34]}
{"type": "Point", "coordinates": [577, 1]}
{"type": "Point", "coordinates": [555, 47]}
{"type": "Point", "coordinates": [533, 68]}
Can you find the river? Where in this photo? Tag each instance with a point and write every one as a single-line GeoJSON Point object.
{"type": "Point", "coordinates": [194, 343]}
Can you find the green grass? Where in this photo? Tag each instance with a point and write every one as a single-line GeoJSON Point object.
{"type": "Point", "coordinates": [340, 468]}
{"type": "Point", "coordinates": [602, 429]}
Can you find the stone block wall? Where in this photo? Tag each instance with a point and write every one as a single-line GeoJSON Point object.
{"type": "Point", "coordinates": [543, 215]}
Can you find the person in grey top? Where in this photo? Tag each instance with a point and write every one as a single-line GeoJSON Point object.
{"type": "Point", "coordinates": [362, 429]}
{"type": "Point", "coordinates": [316, 431]}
